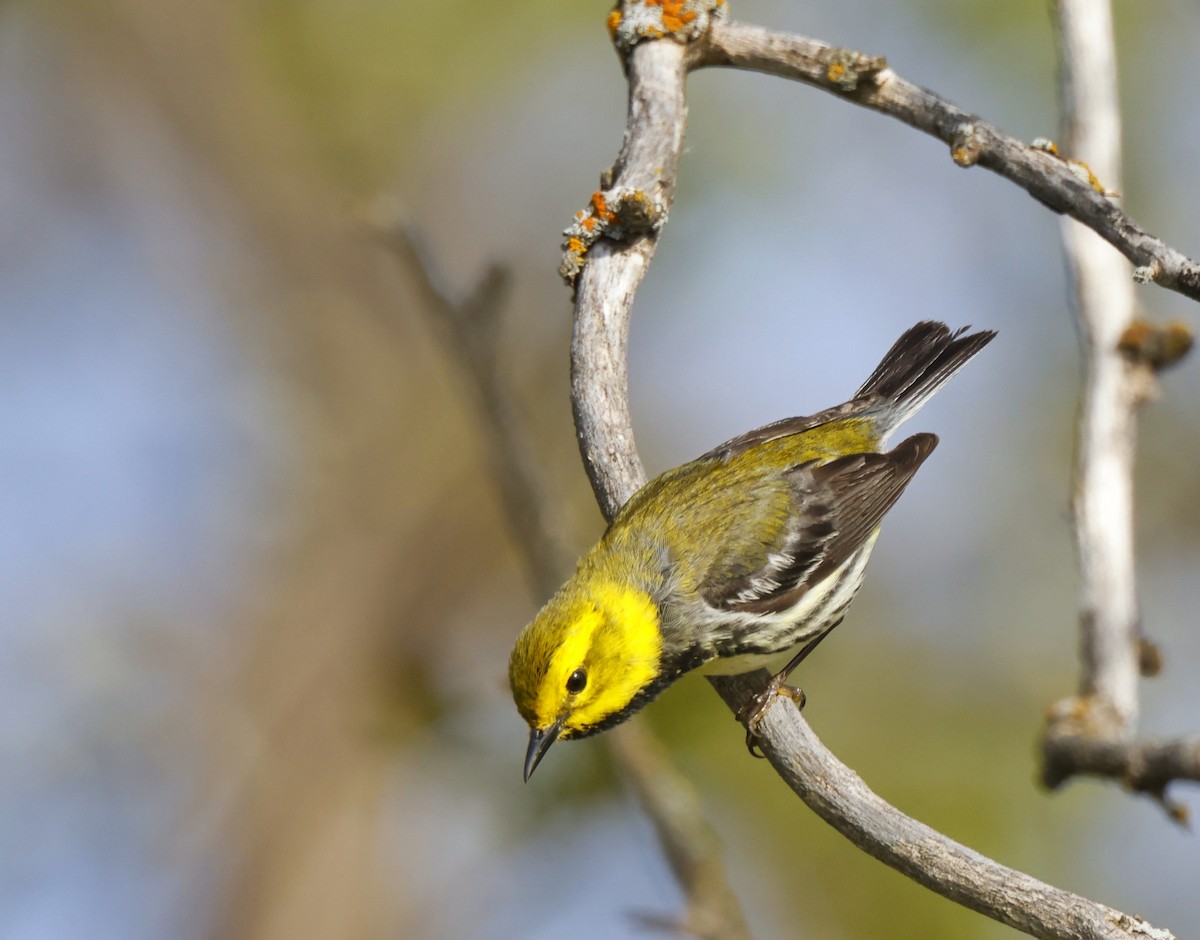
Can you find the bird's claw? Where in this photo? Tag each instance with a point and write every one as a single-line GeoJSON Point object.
{"type": "Point", "coordinates": [752, 713]}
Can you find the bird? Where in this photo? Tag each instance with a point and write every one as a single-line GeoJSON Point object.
{"type": "Point", "coordinates": [726, 563]}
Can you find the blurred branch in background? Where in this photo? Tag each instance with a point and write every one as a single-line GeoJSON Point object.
{"type": "Point", "coordinates": [470, 328]}
{"type": "Point", "coordinates": [1094, 733]}
{"type": "Point", "coordinates": [325, 652]}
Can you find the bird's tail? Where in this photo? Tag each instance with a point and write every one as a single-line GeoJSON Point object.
{"type": "Point", "coordinates": [918, 364]}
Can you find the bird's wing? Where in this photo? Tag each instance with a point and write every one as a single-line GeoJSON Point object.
{"type": "Point", "coordinates": [785, 427]}
{"type": "Point", "coordinates": [835, 507]}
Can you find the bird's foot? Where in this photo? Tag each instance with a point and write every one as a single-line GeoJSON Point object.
{"type": "Point", "coordinates": [752, 713]}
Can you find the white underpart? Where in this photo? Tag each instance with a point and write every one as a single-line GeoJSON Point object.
{"type": "Point", "coordinates": [820, 606]}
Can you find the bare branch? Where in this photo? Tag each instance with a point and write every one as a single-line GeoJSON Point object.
{"type": "Point", "coordinates": [1062, 185]}
{"type": "Point", "coordinates": [1072, 747]}
{"type": "Point", "coordinates": [603, 307]}
{"type": "Point", "coordinates": [604, 290]}
{"type": "Point", "coordinates": [1114, 385]}
{"type": "Point", "coordinates": [839, 796]}
{"type": "Point", "coordinates": [1093, 733]}
{"type": "Point", "coordinates": [469, 330]}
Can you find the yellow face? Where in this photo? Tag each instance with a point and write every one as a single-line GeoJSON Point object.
{"type": "Point", "coordinates": [585, 657]}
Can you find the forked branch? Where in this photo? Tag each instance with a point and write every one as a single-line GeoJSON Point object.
{"type": "Point", "coordinates": [605, 283]}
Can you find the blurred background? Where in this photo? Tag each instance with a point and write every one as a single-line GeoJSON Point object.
{"type": "Point", "coordinates": [258, 593]}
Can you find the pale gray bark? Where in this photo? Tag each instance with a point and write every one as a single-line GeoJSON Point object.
{"type": "Point", "coordinates": [603, 306]}
{"type": "Point", "coordinates": [1093, 733]}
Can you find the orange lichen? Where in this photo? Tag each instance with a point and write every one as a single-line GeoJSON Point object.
{"type": "Point", "coordinates": [600, 207]}
{"type": "Point", "coordinates": [1078, 168]}
{"type": "Point", "coordinates": [676, 21]}
{"type": "Point", "coordinates": [640, 20]}
{"type": "Point", "coordinates": [621, 214]}
{"type": "Point", "coordinates": [1084, 172]}
{"type": "Point", "coordinates": [674, 16]}
{"type": "Point", "coordinates": [965, 144]}
{"type": "Point", "coordinates": [836, 72]}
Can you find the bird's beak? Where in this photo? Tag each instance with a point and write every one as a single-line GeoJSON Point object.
{"type": "Point", "coordinates": [540, 740]}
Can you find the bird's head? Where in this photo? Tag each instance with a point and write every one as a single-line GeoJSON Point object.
{"type": "Point", "coordinates": [588, 661]}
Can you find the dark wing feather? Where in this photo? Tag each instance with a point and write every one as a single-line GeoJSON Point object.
{"type": "Point", "coordinates": [802, 546]}
{"type": "Point", "coordinates": [838, 505]}
{"type": "Point", "coordinates": [918, 364]}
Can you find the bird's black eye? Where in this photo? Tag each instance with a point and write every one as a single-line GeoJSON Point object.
{"type": "Point", "coordinates": [576, 681]}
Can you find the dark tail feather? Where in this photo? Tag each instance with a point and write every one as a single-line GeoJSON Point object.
{"type": "Point", "coordinates": [918, 364]}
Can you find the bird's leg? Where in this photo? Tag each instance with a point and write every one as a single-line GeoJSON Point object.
{"type": "Point", "coordinates": [753, 712]}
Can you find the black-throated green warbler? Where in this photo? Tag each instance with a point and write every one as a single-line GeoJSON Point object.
{"type": "Point", "coordinates": [753, 550]}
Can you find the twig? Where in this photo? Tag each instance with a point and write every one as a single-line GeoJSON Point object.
{"type": "Point", "coordinates": [1093, 733]}
{"type": "Point", "coordinates": [603, 308]}
{"type": "Point", "coordinates": [1070, 749]}
{"type": "Point", "coordinates": [469, 330]}
{"type": "Point", "coordinates": [866, 80]}
{"type": "Point", "coordinates": [691, 845]}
